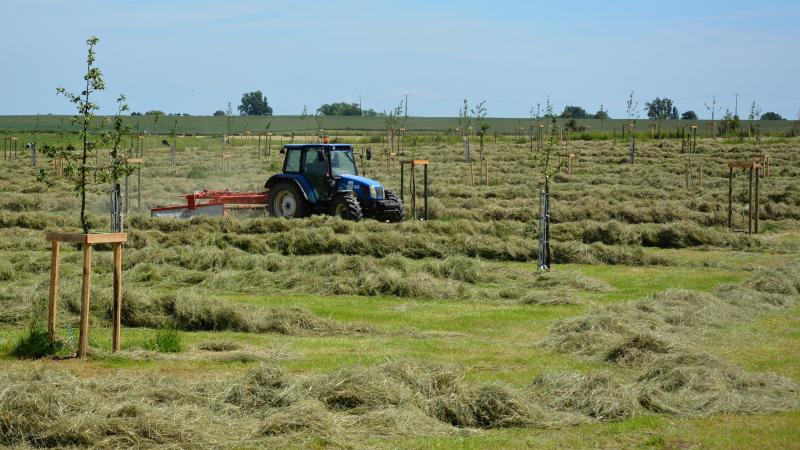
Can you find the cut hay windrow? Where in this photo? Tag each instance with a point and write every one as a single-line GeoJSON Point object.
{"type": "Point", "coordinates": [655, 334]}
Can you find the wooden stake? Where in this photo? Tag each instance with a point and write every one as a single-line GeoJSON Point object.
{"type": "Point", "coordinates": [757, 201]}
{"type": "Point", "coordinates": [85, 291]}
{"type": "Point", "coordinates": [117, 307]}
{"type": "Point", "coordinates": [730, 198]}
{"type": "Point", "coordinates": [51, 316]}
{"type": "Point", "coordinates": [472, 172]}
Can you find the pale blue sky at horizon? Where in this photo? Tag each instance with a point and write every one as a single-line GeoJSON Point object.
{"type": "Point", "coordinates": [196, 56]}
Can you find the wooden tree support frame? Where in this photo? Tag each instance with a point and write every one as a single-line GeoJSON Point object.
{"type": "Point", "coordinates": [224, 163]}
{"type": "Point", "coordinates": [412, 184]}
{"type": "Point", "coordinates": [763, 160]}
{"type": "Point", "coordinates": [9, 146]}
{"type": "Point", "coordinates": [570, 159]}
{"type": "Point", "coordinates": [751, 167]}
{"type": "Point", "coordinates": [137, 146]}
{"type": "Point", "coordinates": [138, 162]}
{"type": "Point", "coordinates": [267, 144]}
{"type": "Point", "coordinates": [58, 166]}
{"type": "Point", "coordinates": [690, 167]}
{"type": "Point", "coordinates": [86, 241]}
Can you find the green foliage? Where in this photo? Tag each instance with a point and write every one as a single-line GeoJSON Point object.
{"type": "Point", "coordinates": [340, 109]}
{"type": "Point", "coordinates": [35, 344]}
{"type": "Point", "coordinates": [771, 116]}
{"type": "Point", "coordinates": [574, 112]}
{"type": "Point", "coordinates": [254, 104]}
{"type": "Point", "coordinates": [689, 115]}
{"type": "Point", "coordinates": [661, 109]}
{"type": "Point", "coordinates": [154, 112]}
{"type": "Point", "coordinates": [219, 112]}
{"type": "Point", "coordinates": [166, 340]}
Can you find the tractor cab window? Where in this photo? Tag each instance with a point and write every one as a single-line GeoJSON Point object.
{"type": "Point", "coordinates": [292, 161]}
{"type": "Point", "coordinates": [314, 163]}
{"type": "Point", "coordinates": [342, 163]}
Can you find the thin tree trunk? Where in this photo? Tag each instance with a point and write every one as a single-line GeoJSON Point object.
{"type": "Point", "coordinates": [84, 225]}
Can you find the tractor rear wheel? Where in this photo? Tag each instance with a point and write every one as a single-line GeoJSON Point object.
{"type": "Point", "coordinates": [397, 214]}
{"type": "Point", "coordinates": [346, 206]}
{"type": "Point", "coordinates": [286, 200]}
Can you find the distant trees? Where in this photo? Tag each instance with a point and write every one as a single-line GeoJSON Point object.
{"type": "Point", "coordinates": [153, 112]}
{"type": "Point", "coordinates": [689, 115]}
{"type": "Point", "coordinates": [771, 116]}
{"type": "Point", "coordinates": [661, 109]}
{"type": "Point", "coordinates": [574, 112]}
{"type": "Point", "coordinates": [136, 113]}
{"type": "Point", "coordinates": [254, 104]}
{"type": "Point", "coordinates": [345, 109]}
{"type": "Point", "coordinates": [219, 112]}
{"type": "Point", "coordinates": [602, 114]}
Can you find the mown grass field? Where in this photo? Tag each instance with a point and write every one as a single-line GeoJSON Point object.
{"type": "Point", "coordinates": [657, 328]}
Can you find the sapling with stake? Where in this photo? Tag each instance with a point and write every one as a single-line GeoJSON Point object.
{"type": "Point", "coordinates": [755, 113]}
{"type": "Point", "coordinates": [713, 109]}
{"type": "Point", "coordinates": [304, 115]}
{"type": "Point", "coordinates": [545, 254]}
{"type": "Point", "coordinates": [632, 108]}
{"type": "Point", "coordinates": [86, 109]}
{"type": "Point", "coordinates": [479, 113]}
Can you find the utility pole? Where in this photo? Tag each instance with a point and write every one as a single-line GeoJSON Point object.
{"type": "Point", "coordinates": [736, 108]}
{"type": "Point", "coordinates": [360, 111]}
{"type": "Point", "coordinates": [406, 113]}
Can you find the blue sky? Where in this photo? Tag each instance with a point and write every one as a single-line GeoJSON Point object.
{"type": "Point", "coordinates": [196, 56]}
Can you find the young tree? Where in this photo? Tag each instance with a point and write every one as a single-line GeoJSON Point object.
{"type": "Point", "coordinates": [713, 109]}
{"type": "Point", "coordinates": [304, 115]}
{"type": "Point", "coordinates": [254, 104]}
{"type": "Point", "coordinates": [632, 108]}
{"type": "Point", "coordinates": [602, 114]}
{"type": "Point", "coordinates": [479, 113]}
{"type": "Point", "coordinates": [755, 113]}
{"type": "Point", "coordinates": [86, 109]}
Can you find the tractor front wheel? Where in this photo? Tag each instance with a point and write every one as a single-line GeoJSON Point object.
{"type": "Point", "coordinates": [286, 200]}
{"type": "Point", "coordinates": [346, 206]}
{"type": "Point", "coordinates": [394, 211]}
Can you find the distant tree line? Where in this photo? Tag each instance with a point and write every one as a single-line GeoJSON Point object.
{"type": "Point", "coordinates": [345, 109]}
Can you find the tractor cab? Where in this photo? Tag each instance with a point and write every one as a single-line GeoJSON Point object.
{"type": "Point", "coordinates": [323, 179]}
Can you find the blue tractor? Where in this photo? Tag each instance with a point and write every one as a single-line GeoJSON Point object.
{"type": "Point", "coordinates": [323, 179]}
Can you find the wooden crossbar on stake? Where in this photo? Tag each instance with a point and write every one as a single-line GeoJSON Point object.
{"type": "Point", "coordinates": [86, 241]}
{"type": "Point", "coordinates": [9, 146]}
{"type": "Point", "coordinates": [763, 160]}
{"type": "Point", "coordinates": [413, 163]}
{"type": "Point", "coordinates": [751, 167]}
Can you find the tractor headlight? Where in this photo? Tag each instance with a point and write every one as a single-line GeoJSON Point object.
{"type": "Point", "coordinates": [373, 193]}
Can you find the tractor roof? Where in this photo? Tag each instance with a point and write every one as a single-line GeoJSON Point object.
{"type": "Point", "coordinates": [324, 146]}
